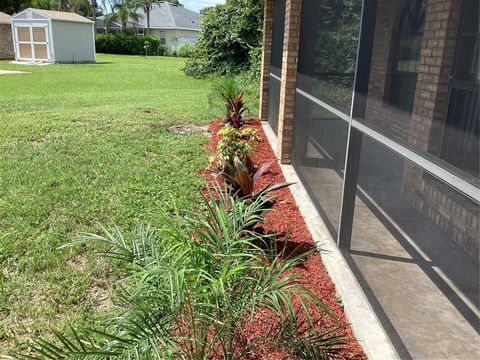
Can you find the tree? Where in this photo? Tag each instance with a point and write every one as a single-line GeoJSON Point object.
{"type": "Point", "coordinates": [82, 7]}
{"type": "Point", "coordinates": [62, 5]}
{"type": "Point", "coordinates": [94, 6]}
{"type": "Point", "coordinates": [230, 39]}
{"type": "Point", "coordinates": [124, 11]}
{"type": "Point", "coordinates": [147, 5]}
{"type": "Point", "coordinates": [14, 6]}
{"type": "Point", "coordinates": [206, 9]}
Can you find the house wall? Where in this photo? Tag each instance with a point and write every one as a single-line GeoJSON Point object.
{"type": "Point", "coordinates": [175, 37]}
{"type": "Point", "coordinates": [6, 42]}
{"type": "Point", "coordinates": [73, 42]}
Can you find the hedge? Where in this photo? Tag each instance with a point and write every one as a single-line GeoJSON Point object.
{"type": "Point", "coordinates": [128, 44]}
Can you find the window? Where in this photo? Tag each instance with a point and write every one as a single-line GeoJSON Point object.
{"type": "Point", "coordinates": [461, 138]}
{"type": "Point", "coordinates": [407, 55]}
{"type": "Point", "coordinates": [163, 40]}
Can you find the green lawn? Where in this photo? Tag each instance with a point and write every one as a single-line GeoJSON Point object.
{"type": "Point", "coordinates": [82, 145]}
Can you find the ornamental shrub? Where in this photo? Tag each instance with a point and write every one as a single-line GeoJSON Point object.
{"type": "Point", "coordinates": [230, 34]}
{"type": "Point", "coordinates": [185, 50]}
{"type": "Point", "coordinates": [128, 44]}
{"type": "Point", "coordinates": [234, 144]}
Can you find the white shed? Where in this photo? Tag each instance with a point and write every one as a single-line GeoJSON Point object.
{"type": "Point", "coordinates": [53, 36]}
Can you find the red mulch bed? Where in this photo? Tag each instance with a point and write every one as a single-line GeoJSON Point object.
{"type": "Point", "coordinates": [287, 221]}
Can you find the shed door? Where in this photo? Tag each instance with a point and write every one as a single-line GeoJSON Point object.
{"type": "Point", "coordinates": [32, 42]}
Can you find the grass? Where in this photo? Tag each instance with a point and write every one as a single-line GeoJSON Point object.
{"type": "Point", "coordinates": [82, 145]}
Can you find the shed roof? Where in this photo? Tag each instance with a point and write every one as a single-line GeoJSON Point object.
{"type": "Point", "coordinates": [60, 15]}
{"type": "Point", "coordinates": [5, 18]}
{"type": "Point", "coordinates": [165, 15]}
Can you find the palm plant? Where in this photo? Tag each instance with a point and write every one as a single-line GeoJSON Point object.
{"type": "Point", "coordinates": [94, 6]}
{"type": "Point", "coordinates": [123, 12]}
{"type": "Point", "coordinates": [195, 281]}
{"type": "Point", "coordinates": [147, 7]}
{"type": "Point", "coordinates": [62, 5]}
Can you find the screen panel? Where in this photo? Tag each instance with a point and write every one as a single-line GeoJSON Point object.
{"type": "Point", "coordinates": [327, 58]}
{"type": "Point", "coordinates": [415, 248]}
{"type": "Point", "coordinates": [328, 50]}
{"type": "Point", "coordinates": [276, 63]}
{"type": "Point", "coordinates": [424, 82]}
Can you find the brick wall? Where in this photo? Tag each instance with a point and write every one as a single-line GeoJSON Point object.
{"type": "Point", "coordinates": [289, 80]}
{"type": "Point", "coordinates": [6, 42]}
{"type": "Point", "coordinates": [266, 57]}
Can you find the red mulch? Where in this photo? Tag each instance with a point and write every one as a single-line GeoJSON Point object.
{"type": "Point", "coordinates": [287, 221]}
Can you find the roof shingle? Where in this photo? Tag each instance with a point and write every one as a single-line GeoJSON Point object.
{"type": "Point", "coordinates": [62, 16]}
{"type": "Point", "coordinates": [165, 15]}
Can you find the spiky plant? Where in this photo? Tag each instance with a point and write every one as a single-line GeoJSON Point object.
{"type": "Point", "coordinates": [194, 281]}
{"type": "Point", "coordinates": [241, 177]}
{"type": "Point", "coordinates": [235, 110]}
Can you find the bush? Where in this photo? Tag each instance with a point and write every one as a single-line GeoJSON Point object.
{"type": "Point", "coordinates": [230, 39]}
{"type": "Point", "coordinates": [185, 50]}
{"type": "Point", "coordinates": [128, 44]}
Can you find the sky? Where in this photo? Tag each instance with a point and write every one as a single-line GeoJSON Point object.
{"type": "Point", "coordinates": [197, 5]}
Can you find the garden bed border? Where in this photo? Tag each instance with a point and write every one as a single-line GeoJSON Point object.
{"type": "Point", "coordinates": [364, 322]}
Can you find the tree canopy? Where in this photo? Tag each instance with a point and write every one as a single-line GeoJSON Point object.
{"type": "Point", "coordinates": [230, 39]}
{"type": "Point", "coordinates": [82, 7]}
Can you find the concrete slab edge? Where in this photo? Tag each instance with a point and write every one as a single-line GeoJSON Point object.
{"type": "Point", "coordinates": [365, 323]}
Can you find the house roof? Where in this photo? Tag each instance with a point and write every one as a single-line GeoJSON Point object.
{"type": "Point", "coordinates": [61, 15]}
{"type": "Point", "coordinates": [5, 18]}
{"type": "Point", "coordinates": [115, 24]}
{"type": "Point", "coordinates": [165, 15]}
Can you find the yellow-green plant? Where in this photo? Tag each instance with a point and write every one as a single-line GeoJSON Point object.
{"type": "Point", "coordinates": [234, 143]}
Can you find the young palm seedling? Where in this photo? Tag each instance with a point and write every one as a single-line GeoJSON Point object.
{"type": "Point", "coordinates": [194, 283]}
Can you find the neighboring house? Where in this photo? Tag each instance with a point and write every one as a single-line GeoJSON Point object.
{"type": "Point", "coordinates": [116, 27]}
{"type": "Point", "coordinates": [173, 24]}
{"type": "Point", "coordinates": [6, 42]}
{"type": "Point", "coordinates": [377, 109]}
{"type": "Point", "coordinates": [53, 36]}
